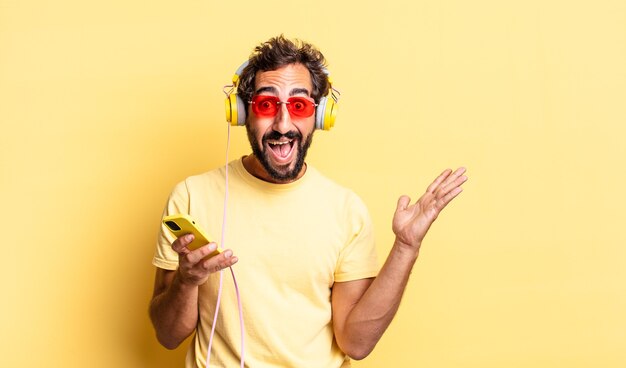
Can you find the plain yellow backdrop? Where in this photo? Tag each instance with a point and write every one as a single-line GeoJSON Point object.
{"type": "Point", "coordinates": [104, 106]}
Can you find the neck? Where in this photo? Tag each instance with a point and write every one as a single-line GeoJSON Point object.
{"type": "Point", "coordinates": [252, 165]}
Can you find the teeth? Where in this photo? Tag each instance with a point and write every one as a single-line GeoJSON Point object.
{"type": "Point", "coordinates": [279, 143]}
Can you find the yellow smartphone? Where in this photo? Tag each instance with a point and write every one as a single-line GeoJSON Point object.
{"type": "Point", "coordinates": [182, 224]}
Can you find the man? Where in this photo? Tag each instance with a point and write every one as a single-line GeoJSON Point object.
{"type": "Point", "coordinates": [312, 293]}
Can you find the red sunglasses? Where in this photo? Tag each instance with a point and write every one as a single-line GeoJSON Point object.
{"type": "Point", "coordinates": [267, 106]}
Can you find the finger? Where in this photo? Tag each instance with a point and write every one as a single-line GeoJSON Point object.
{"type": "Point", "coordinates": [457, 173]}
{"type": "Point", "coordinates": [433, 186]}
{"type": "Point", "coordinates": [198, 254]}
{"type": "Point", "coordinates": [403, 203]}
{"type": "Point", "coordinates": [443, 202]}
{"type": "Point", "coordinates": [220, 262]}
{"type": "Point", "coordinates": [180, 245]}
{"type": "Point", "coordinates": [450, 186]}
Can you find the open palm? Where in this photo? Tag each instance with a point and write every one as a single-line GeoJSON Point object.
{"type": "Point", "coordinates": [412, 221]}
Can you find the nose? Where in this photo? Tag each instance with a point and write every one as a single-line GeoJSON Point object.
{"type": "Point", "coordinates": [282, 120]}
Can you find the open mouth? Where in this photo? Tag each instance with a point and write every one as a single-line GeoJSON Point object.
{"type": "Point", "coordinates": [282, 149]}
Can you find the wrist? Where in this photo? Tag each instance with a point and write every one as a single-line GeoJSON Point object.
{"type": "Point", "coordinates": [182, 284]}
{"type": "Point", "coordinates": [410, 251]}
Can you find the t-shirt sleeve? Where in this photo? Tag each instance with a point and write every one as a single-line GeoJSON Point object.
{"type": "Point", "coordinates": [178, 202]}
{"type": "Point", "coordinates": [358, 258]}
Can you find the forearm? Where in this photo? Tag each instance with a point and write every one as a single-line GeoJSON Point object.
{"type": "Point", "coordinates": [371, 316]}
{"type": "Point", "coordinates": [174, 313]}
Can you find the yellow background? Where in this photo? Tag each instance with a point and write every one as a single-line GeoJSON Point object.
{"type": "Point", "coordinates": [104, 106]}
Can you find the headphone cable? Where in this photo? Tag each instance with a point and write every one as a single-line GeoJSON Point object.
{"type": "Point", "coordinates": [232, 272]}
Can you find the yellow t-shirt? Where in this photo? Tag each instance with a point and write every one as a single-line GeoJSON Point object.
{"type": "Point", "coordinates": [293, 242]}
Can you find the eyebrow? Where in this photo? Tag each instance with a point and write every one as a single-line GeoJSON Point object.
{"type": "Point", "coordinates": [293, 92]}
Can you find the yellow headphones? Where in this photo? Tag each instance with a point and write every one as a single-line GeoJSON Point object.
{"type": "Point", "coordinates": [325, 112]}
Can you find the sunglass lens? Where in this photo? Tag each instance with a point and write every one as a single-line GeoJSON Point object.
{"type": "Point", "coordinates": [301, 107]}
{"type": "Point", "coordinates": [265, 106]}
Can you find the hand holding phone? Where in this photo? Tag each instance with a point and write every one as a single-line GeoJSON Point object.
{"type": "Point", "coordinates": [182, 224]}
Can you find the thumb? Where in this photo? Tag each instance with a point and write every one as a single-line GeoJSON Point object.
{"type": "Point", "coordinates": [403, 203]}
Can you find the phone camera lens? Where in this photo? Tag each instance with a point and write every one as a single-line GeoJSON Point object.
{"type": "Point", "coordinates": [172, 225]}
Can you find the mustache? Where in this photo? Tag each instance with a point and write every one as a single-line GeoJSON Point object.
{"type": "Point", "coordinates": [274, 135]}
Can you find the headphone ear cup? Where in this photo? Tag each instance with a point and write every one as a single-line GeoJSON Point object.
{"type": "Point", "coordinates": [235, 110]}
{"type": "Point", "coordinates": [325, 114]}
{"type": "Point", "coordinates": [319, 113]}
{"type": "Point", "coordinates": [330, 114]}
{"type": "Point", "coordinates": [230, 114]}
{"type": "Point", "coordinates": [241, 111]}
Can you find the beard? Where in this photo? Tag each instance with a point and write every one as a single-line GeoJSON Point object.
{"type": "Point", "coordinates": [280, 173]}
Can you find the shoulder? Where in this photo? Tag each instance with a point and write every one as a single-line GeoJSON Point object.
{"type": "Point", "coordinates": [208, 179]}
{"type": "Point", "coordinates": [336, 192]}
{"type": "Point", "coordinates": [319, 180]}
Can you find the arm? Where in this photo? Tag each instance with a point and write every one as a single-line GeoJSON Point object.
{"type": "Point", "coordinates": [174, 304]}
{"type": "Point", "coordinates": [363, 309]}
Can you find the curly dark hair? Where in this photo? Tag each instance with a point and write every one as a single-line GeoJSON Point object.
{"type": "Point", "coordinates": [278, 52]}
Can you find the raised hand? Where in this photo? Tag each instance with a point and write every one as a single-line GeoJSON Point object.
{"type": "Point", "coordinates": [412, 221]}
